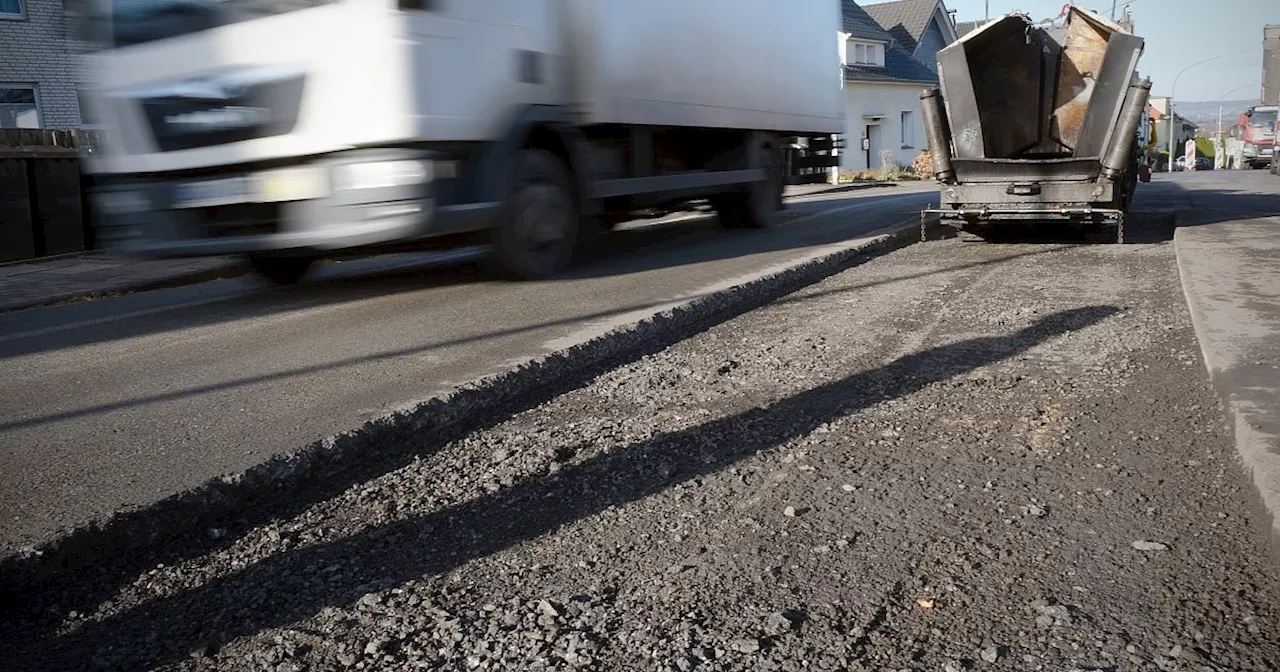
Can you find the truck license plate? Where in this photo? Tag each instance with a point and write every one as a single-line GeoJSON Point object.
{"type": "Point", "coordinates": [208, 193]}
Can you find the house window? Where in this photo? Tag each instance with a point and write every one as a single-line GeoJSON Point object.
{"type": "Point", "coordinates": [12, 9]}
{"type": "Point", "coordinates": [908, 130]}
{"type": "Point", "coordinates": [865, 54]}
{"type": "Point", "coordinates": [19, 107]}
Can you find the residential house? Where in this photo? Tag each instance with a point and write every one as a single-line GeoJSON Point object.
{"type": "Point", "coordinates": [1184, 129]}
{"type": "Point", "coordinates": [883, 81]}
{"type": "Point", "coordinates": [920, 27]}
{"type": "Point", "coordinates": [39, 66]}
{"type": "Point", "coordinates": [965, 27]}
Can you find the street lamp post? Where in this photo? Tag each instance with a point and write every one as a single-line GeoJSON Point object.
{"type": "Point", "coordinates": [1222, 146]}
{"type": "Point", "coordinates": [1171, 114]}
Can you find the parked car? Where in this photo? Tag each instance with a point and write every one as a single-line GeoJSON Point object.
{"type": "Point", "coordinates": [1202, 163]}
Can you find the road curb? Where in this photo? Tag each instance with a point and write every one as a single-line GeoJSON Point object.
{"type": "Point", "coordinates": [1255, 452]}
{"type": "Point", "coordinates": [213, 514]}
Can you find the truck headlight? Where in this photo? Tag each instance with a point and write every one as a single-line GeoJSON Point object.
{"type": "Point", "coordinates": [380, 175]}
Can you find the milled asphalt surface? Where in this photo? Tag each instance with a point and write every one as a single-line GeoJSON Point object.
{"type": "Point", "coordinates": [117, 403]}
{"type": "Point", "coordinates": [956, 456]}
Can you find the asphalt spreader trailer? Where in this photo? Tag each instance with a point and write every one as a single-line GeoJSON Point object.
{"type": "Point", "coordinates": [1036, 124]}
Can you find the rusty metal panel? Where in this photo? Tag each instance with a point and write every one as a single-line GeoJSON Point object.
{"type": "Point", "coordinates": [1114, 79]}
{"type": "Point", "coordinates": [1083, 52]}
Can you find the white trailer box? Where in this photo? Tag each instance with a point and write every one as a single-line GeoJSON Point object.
{"type": "Point", "coordinates": [748, 64]}
{"type": "Point", "coordinates": [291, 131]}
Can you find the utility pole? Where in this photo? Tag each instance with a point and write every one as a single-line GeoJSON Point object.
{"type": "Point", "coordinates": [988, 17]}
{"type": "Point", "coordinates": [1113, 11]}
{"type": "Point", "coordinates": [1222, 145]}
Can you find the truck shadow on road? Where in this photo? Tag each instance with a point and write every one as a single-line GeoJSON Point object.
{"type": "Point", "coordinates": [657, 247]}
{"type": "Point", "coordinates": [280, 590]}
{"type": "Point", "coordinates": [1189, 201]}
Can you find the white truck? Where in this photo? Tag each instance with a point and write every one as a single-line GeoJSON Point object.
{"type": "Point", "coordinates": [292, 130]}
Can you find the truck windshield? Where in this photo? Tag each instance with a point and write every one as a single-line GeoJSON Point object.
{"type": "Point", "coordinates": [120, 23]}
{"type": "Point", "coordinates": [1263, 119]}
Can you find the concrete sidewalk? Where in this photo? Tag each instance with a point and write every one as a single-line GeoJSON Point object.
{"type": "Point", "coordinates": [42, 282]}
{"type": "Point", "coordinates": [1231, 275]}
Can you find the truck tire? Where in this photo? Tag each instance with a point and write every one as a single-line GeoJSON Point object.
{"type": "Point", "coordinates": [281, 270]}
{"type": "Point", "coordinates": [538, 234]}
{"type": "Point", "coordinates": [758, 206]}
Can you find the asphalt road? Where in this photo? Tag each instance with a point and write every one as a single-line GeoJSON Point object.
{"type": "Point", "coordinates": [956, 456]}
{"type": "Point", "coordinates": [117, 403]}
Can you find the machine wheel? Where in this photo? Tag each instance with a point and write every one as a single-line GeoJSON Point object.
{"type": "Point", "coordinates": [538, 236]}
{"type": "Point", "coordinates": [282, 270]}
{"type": "Point", "coordinates": [758, 206]}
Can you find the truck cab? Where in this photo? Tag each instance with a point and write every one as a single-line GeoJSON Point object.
{"type": "Point", "coordinates": [1259, 135]}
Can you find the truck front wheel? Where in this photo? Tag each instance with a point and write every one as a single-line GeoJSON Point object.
{"type": "Point", "coordinates": [281, 270]}
{"type": "Point", "coordinates": [538, 235]}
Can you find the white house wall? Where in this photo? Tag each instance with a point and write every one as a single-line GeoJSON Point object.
{"type": "Point", "coordinates": [889, 101]}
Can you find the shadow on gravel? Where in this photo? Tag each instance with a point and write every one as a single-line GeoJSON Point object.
{"type": "Point", "coordinates": [804, 296]}
{"type": "Point", "coordinates": [294, 585]}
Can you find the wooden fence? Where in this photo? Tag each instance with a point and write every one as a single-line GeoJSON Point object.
{"type": "Point", "coordinates": [43, 209]}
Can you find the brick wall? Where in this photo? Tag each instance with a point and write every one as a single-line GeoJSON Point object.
{"type": "Point", "coordinates": [41, 50]}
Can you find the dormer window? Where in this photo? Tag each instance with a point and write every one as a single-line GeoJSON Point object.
{"type": "Point", "coordinates": [865, 53]}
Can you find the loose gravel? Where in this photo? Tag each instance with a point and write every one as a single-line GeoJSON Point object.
{"type": "Point", "coordinates": [959, 456]}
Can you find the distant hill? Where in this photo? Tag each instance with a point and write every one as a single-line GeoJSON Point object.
{"type": "Point", "coordinates": [1203, 112]}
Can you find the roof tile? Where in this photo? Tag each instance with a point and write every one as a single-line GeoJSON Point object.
{"type": "Point", "coordinates": [899, 66]}
{"type": "Point", "coordinates": [906, 20]}
{"type": "Point", "coordinates": [860, 24]}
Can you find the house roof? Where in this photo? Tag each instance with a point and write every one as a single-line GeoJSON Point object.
{"type": "Point", "coordinates": [905, 20]}
{"type": "Point", "coordinates": [858, 23]}
{"type": "Point", "coordinates": [899, 66]}
{"type": "Point", "coordinates": [965, 27]}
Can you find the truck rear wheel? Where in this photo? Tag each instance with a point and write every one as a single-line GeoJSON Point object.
{"type": "Point", "coordinates": [281, 270]}
{"type": "Point", "coordinates": [758, 206]}
{"type": "Point", "coordinates": [537, 238]}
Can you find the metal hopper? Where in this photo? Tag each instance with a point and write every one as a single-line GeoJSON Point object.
{"type": "Point", "coordinates": [1037, 121]}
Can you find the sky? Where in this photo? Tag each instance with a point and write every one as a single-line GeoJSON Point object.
{"type": "Point", "coordinates": [1178, 33]}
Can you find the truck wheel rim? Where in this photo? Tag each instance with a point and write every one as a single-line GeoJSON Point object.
{"type": "Point", "coordinates": [542, 224]}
